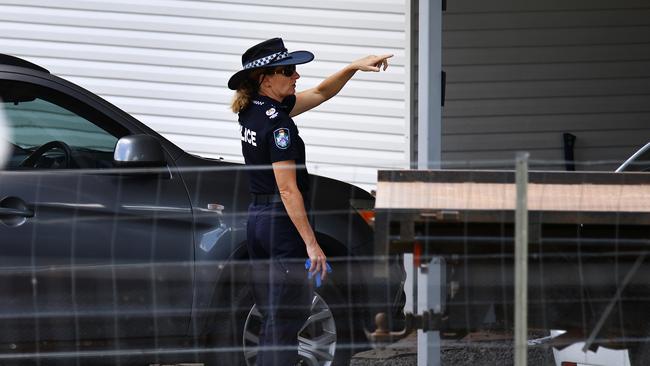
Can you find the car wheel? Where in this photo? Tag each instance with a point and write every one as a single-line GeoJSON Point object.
{"type": "Point", "coordinates": [323, 340]}
{"type": "Point", "coordinates": [230, 345]}
{"type": "Point", "coordinates": [317, 337]}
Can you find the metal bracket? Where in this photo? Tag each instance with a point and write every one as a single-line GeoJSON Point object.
{"type": "Point", "coordinates": [427, 321]}
{"type": "Point", "coordinates": [443, 86]}
{"type": "Point", "coordinates": [569, 147]}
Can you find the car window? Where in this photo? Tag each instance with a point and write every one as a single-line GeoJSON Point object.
{"type": "Point", "coordinates": [50, 130]}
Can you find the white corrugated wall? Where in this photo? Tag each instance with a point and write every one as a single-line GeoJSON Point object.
{"type": "Point", "coordinates": [167, 63]}
{"type": "Point", "coordinates": [521, 73]}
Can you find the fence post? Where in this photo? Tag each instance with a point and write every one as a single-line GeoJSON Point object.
{"type": "Point", "coordinates": [521, 260]}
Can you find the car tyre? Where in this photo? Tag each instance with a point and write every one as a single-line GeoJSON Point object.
{"type": "Point", "coordinates": [229, 341]}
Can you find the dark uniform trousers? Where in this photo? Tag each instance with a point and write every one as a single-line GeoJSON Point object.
{"type": "Point", "coordinates": [279, 281]}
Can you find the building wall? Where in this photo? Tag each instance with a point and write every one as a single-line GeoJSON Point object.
{"type": "Point", "coordinates": [521, 73]}
{"type": "Point", "coordinates": [167, 63]}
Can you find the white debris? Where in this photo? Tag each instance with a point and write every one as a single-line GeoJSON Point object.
{"type": "Point", "coordinates": [602, 357]}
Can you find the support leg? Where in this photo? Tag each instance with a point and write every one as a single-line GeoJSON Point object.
{"type": "Point", "coordinates": [431, 295]}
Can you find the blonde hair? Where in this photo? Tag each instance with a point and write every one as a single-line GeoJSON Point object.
{"type": "Point", "coordinates": [245, 92]}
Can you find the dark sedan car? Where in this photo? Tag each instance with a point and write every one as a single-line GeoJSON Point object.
{"type": "Point", "coordinates": [115, 243]}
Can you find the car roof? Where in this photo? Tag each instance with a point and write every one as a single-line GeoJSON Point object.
{"type": "Point", "coordinates": [16, 61]}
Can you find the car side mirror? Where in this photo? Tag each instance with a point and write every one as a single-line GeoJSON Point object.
{"type": "Point", "coordinates": [139, 151]}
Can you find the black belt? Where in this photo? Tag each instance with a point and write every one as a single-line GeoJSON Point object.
{"type": "Point", "coordinates": [265, 199]}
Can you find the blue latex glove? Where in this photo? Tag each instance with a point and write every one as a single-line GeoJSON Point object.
{"type": "Point", "coordinates": [310, 275]}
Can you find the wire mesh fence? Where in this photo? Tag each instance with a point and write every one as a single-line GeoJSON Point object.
{"type": "Point", "coordinates": [105, 258]}
{"type": "Point", "coordinates": [116, 266]}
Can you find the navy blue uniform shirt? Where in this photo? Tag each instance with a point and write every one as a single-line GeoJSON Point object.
{"type": "Point", "coordinates": [269, 135]}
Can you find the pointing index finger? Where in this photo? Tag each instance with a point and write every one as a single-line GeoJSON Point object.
{"type": "Point", "coordinates": [384, 60]}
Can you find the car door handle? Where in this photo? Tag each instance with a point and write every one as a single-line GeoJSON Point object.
{"type": "Point", "coordinates": [4, 211]}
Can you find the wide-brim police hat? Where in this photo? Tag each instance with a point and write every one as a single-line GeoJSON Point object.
{"type": "Point", "coordinates": [270, 53]}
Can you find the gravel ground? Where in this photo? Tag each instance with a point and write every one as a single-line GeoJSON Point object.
{"type": "Point", "coordinates": [454, 352]}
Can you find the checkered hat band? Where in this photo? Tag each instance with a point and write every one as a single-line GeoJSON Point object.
{"type": "Point", "coordinates": [260, 62]}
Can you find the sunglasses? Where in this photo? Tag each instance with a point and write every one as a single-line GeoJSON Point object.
{"type": "Point", "coordinates": [287, 71]}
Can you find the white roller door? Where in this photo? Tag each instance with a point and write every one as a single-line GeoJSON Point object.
{"type": "Point", "coordinates": [167, 63]}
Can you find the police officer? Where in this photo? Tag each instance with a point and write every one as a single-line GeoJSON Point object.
{"type": "Point", "coordinates": [279, 234]}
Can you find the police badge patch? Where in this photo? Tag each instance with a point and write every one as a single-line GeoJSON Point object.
{"type": "Point", "coordinates": [281, 136]}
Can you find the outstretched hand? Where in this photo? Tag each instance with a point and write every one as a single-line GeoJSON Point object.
{"type": "Point", "coordinates": [372, 63]}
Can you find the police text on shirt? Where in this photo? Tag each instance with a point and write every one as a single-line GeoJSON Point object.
{"type": "Point", "coordinates": [248, 135]}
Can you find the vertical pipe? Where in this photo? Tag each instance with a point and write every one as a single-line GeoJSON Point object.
{"type": "Point", "coordinates": [429, 83]}
{"type": "Point", "coordinates": [521, 260]}
{"type": "Point", "coordinates": [432, 297]}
